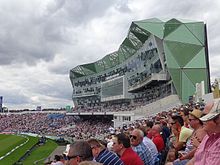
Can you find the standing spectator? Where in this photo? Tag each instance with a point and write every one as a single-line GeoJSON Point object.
{"type": "Point", "coordinates": [102, 155]}
{"type": "Point", "coordinates": [148, 156]}
{"type": "Point", "coordinates": [78, 152]}
{"type": "Point", "coordinates": [121, 146]}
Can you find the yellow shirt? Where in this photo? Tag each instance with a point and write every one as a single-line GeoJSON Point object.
{"type": "Point", "coordinates": [185, 133]}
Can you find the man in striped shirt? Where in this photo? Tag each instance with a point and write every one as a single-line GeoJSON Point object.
{"type": "Point", "coordinates": [102, 155]}
{"type": "Point", "coordinates": [147, 155]}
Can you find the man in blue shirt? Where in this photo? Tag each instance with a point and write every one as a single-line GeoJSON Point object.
{"type": "Point", "coordinates": [147, 155]}
{"type": "Point", "coordinates": [102, 155]}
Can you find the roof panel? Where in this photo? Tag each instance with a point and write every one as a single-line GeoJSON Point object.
{"type": "Point", "coordinates": [182, 34]}
{"type": "Point", "coordinates": [156, 28]}
{"type": "Point", "coordinates": [183, 52]}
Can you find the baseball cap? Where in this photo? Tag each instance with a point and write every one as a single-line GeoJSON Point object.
{"type": "Point", "coordinates": [215, 111]}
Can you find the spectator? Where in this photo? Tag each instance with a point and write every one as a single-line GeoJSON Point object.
{"type": "Point", "coordinates": [157, 138]}
{"type": "Point", "coordinates": [195, 139]}
{"type": "Point", "coordinates": [148, 130]}
{"type": "Point", "coordinates": [148, 156]}
{"type": "Point", "coordinates": [78, 152]}
{"type": "Point", "coordinates": [57, 160]}
{"type": "Point", "coordinates": [121, 146]}
{"type": "Point", "coordinates": [102, 155]}
{"type": "Point", "coordinates": [185, 133]}
{"type": "Point", "coordinates": [165, 131]}
{"type": "Point", "coordinates": [209, 150]}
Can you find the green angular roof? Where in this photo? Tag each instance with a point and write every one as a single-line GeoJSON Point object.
{"type": "Point", "coordinates": [184, 47]}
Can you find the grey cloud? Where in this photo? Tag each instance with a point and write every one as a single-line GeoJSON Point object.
{"type": "Point", "coordinates": [57, 89]}
{"type": "Point", "coordinates": [30, 37]}
{"type": "Point", "coordinates": [14, 98]}
{"type": "Point", "coordinates": [80, 11]}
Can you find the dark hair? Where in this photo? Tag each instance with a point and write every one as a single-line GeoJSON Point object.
{"type": "Point", "coordinates": [57, 157]}
{"type": "Point", "coordinates": [178, 119]}
{"type": "Point", "coordinates": [123, 139]}
{"type": "Point", "coordinates": [185, 111]}
{"type": "Point", "coordinates": [82, 149]}
{"type": "Point", "coordinates": [150, 124]}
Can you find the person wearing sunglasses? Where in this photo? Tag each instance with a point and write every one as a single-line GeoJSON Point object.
{"type": "Point", "coordinates": [208, 152]}
{"type": "Point", "coordinates": [148, 156]}
{"type": "Point", "coordinates": [193, 142]}
{"type": "Point", "coordinates": [121, 146]}
{"type": "Point", "coordinates": [78, 152]}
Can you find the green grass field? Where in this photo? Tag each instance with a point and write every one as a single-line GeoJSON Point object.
{"type": "Point", "coordinates": [8, 142]}
{"type": "Point", "coordinates": [41, 153]}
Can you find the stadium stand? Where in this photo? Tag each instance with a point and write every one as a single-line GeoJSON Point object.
{"type": "Point", "coordinates": [158, 60]}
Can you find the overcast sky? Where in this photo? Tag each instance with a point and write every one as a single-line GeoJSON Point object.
{"type": "Point", "coordinates": [41, 40]}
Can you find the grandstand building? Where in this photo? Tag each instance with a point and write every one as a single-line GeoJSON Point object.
{"type": "Point", "coordinates": [158, 64]}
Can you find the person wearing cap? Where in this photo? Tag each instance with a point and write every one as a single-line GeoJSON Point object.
{"type": "Point", "coordinates": [208, 152]}
{"type": "Point", "coordinates": [193, 142]}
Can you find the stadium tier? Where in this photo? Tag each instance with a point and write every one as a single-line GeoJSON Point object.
{"type": "Point", "coordinates": [157, 59]}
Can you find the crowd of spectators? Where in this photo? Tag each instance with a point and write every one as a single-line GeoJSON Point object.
{"type": "Point", "coordinates": [178, 136]}
{"type": "Point", "coordinates": [188, 135]}
{"type": "Point", "coordinates": [60, 125]}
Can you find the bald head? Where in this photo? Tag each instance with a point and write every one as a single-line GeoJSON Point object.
{"type": "Point", "coordinates": [156, 128]}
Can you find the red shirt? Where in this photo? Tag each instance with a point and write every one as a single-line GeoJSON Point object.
{"type": "Point", "coordinates": [130, 157]}
{"type": "Point", "coordinates": [158, 141]}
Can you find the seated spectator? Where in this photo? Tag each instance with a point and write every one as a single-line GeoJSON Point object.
{"type": "Point", "coordinates": [184, 113]}
{"type": "Point", "coordinates": [172, 155]}
{"type": "Point", "coordinates": [148, 156]}
{"type": "Point", "coordinates": [102, 155]}
{"type": "Point", "coordinates": [165, 131]}
{"type": "Point", "coordinates": [121, 146]}
{"type": "Point", "coordinates": [209, 150]}
{"type": "Point", "coordinates": [148, 130]}
{"type": "Point", "coordinates": [185, 133]}
{"type": "Point", "coordinates": [195, 139]}
{"type": "Point", "coordinates": [157, 138]}
{"type": "Point", "coordinates": [78, 152]}
{"type": "Point", "coordinates": [57, 160]}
